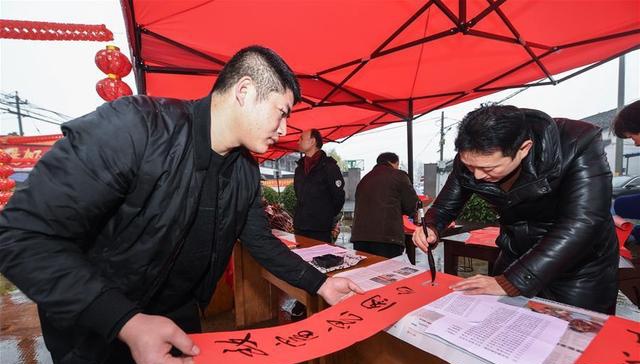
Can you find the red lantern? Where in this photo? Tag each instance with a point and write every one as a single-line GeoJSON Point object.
{"type": "Point", "coordinates": [7, 184]}
{"type": "Point", "coordinates": [5, 170]}
{"type": "Point", "coordinates": [4, 157]}
{"type": "Point", "coordinates": [112, 87]}
{"type": "Point", "coordinates": [111, 60]}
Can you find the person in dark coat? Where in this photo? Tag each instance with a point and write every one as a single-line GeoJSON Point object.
{"type": "Point", "coordinates": [550, 183]}
{"type": "Point", "coordinates": [627, 125]}
{"type": "Point", "coordinates": [128, 222]}
{"type": "Point", "coordinates": [382, 197]}
{"type": "Point", "coordinates": [319, 188]}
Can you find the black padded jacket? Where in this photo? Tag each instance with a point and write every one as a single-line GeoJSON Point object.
{"type": "Point", "coordinates": [106, 210]}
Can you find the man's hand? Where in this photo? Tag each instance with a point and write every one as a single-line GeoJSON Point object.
{"type": "Point", "coordinates": [423, 242]}
{"type": "Point", "coordinates": [336, 289]}
{"type": "Point", "coordinates": [479, 284]}
{"type": "Point", "coordinates": [150, 339]}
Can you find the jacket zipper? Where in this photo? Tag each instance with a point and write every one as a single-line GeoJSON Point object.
{"type": "Point", "coordinates": [164, 271]}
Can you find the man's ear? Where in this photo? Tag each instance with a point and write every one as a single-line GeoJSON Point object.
{"type": "Point", "coordinates": [525, 147]}
{"type": "Point", "coordinates": [242, 89]}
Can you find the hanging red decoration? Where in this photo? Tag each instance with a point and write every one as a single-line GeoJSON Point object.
{"type": "Point", "coordinates": [116, 65]}
{"type": "Point", "coordinates": [111, 60]}
{"type": "Point", "coordinates": [5, 170]}
{"type": "Point", "coordinates": [4, 157]}
{"type": "Point", "coordinates": [4, 197]}
{"type": "Point", "coordinates": [7, 184]}
{"type": "Point", "coordinates": [112, 87]}
{"type": "Point", "coordinates": [39, 30]}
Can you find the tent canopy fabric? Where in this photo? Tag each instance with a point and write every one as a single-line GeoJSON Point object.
{"type": "Point", "coordinates": [363, 64]}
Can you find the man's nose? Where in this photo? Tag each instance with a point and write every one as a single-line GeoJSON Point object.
{"type": "Point", "coordinates": [478, 174]}
{"type": "Point", "coordinates": [282, 127]}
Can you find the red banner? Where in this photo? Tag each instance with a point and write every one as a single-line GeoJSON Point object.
{"type": "Point", "coordinates": [26, 151]}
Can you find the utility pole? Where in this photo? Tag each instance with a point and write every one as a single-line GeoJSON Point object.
{"type": "Point", "coordinates": [18, 102]}
{"type": "Point", "coordinates": [442, 136]}
{"type": "Point", "coordinates": [619, 141]}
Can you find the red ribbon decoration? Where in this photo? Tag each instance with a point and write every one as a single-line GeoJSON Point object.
{"type": "Point", "coordinates": [40, 30]}
{"type": "Point", "coordinates": [6, 185]}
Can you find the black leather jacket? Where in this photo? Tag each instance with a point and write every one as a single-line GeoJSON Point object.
{"type": "Point", "coordinates": [557, 237]}
{"type": "Point", "coordinates": [107, 209]}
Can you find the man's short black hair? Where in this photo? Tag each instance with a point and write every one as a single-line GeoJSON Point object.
{"type": "Point", "coordinates": [387, 157]}
{"type": "Point", "coordinates": [315, 134]}
{"type": "Point", "coordinates": [492, 128]}
{"type": "Point", "coordinates": [265, 67]}
{"type": "Point", "coordinates": [628, 120]}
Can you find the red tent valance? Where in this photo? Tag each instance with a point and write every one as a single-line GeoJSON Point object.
{"type": "Point", "coordinates": [363, 64]}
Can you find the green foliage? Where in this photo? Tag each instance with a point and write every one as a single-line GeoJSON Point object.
{"type": "Point", "coordinates": [341, 164]}
{"type": "Point", "coordinates": [288, 199]}
{"type": "Point", "coordinates": [270, 195]}
{"type": "Point", "coordinates": [478, 210]}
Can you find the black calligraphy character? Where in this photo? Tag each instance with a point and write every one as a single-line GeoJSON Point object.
{"type": "Point", "coordinates": [377, 303]}
{"type": "Point", "coordinates": [345, 321]}
{"type": "Point", "coordinates": [628, 355]}
{"type": "Point", "coordinates": [404, 290]}
{"type": "Point", "coordinates": [637, 335]}
{"type": "Point", "coordinates": [296, 340]}
{"type": "Point", "coordinates": [245, 346]}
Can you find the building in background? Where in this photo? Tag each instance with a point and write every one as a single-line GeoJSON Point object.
{"type": "Point", "coordinates": [631, 153]}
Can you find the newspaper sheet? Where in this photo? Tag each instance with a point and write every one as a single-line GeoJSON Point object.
{"type": "Point", "coordinates": [583, 325]}
{"type": "Point", "coordinates": [495, 331]}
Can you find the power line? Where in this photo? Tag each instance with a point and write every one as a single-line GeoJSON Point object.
{"type": "Point", "coordinates": [23, 108]}
{"type": "Point", "coordinates": [31, 116]}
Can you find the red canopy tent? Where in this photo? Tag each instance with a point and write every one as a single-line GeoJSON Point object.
{"type": "Point", "coordinates": [365, 64]}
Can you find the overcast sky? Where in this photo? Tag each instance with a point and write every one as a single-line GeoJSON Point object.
{"type": "Point", "coordinates": [61, 76]}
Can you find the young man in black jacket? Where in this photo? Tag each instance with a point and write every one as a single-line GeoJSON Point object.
{"type": "Point", "coordinates": [319, 188]}
{"type": "Point", "coordinates": [128, 222]}
{"type": "Point", "coordinates": [550, 182]}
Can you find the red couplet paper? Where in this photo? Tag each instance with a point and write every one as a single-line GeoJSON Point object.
{"type": "Point", "coordinates": [486, 236]}
{"type": "Point", "coordinates": [623, 230]}
{"type": "Point", "coordinates": [408, 226]}
{"type": "Point", "coordinates": [328, 331]}
{"type": "Point", "coordinates": [617, 342]}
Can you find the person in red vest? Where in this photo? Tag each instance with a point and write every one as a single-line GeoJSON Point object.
{"type": "Point", "coordinates": [129, 221]}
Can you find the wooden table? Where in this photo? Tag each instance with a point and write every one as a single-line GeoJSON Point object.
{"type": "Point", "coordinates": [256, 300]}
{"type": "Point", "coordinates": [462, 245]}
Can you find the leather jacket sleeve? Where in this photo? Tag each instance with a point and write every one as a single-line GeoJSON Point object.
{"type": "Point", "coordinates": [448, 204]}
{"type": "Point", "coordinates": [585, 193]}
{"type": "Point", "coordinates": [273, 255]}
{"type": "Point", "coordinates": [47, 229]}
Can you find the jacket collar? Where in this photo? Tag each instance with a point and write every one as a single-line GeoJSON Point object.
{"type": "Point", "coordinates": [202, 132]}
{"type": "Point", "coordinates": [323, 157]}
